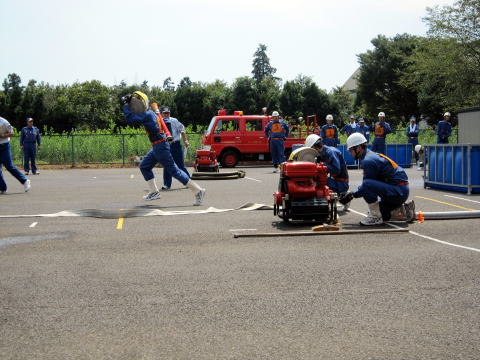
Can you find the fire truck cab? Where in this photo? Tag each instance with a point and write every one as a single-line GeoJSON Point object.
{"type": "Point", "coordinates": [241, 137]}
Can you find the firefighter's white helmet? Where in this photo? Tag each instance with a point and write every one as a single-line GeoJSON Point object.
{"type": "Point", "coordinates": [381, 113]}
{"type": "Point", "coordinates": [275, 113]}
{"type": "Point", "coordinates": [355, 139]}
{"type": "Point", "coordinates": [447, 114]}
{"type": "Point", "coordinates": [329, 117]}
{"type": "Point", "coordinates": [418, 147]}
{"type": "Point", "coordinates": [311, 140]}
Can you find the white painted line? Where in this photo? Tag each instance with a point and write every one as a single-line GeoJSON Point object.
{"type": "Point", "coordinates": [425, 236]}
{"type": "Point", "coordinates": [456, 197]}
{"type": "Point", "coordinates": [32, 225]}
{"type": "Point", "coordinates": [242, 230]}
{"type": "Point", "coordinates": [249, 178]}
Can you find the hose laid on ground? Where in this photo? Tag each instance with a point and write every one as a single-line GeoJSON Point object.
{"type": "Point", "coordinates": [237, 174]}
{"type": "Point", "coordinates": [447, 215]}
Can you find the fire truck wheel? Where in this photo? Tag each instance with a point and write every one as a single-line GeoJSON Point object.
{"type": "Point", "coordinates": [229, 159]}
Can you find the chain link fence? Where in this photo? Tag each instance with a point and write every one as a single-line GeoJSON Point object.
{"type": "Point", "coordinates": [122, 149]}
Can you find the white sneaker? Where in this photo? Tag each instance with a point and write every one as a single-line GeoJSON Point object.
{"type": "Point", "coordinates": [165, 188]}
{"type": "Point", "coordinates": [152, 196]}
{"type": "Point", "coordinates": [199, 196]}
{"type": "Point", "coordinates": [346, 207]}
{"type": "Point", "coordinates": [410, 211]}
{"type": "Point", "coordinates": [374, 216]}
{"type": "Point", "coordinates": [26, 185]}
{"type": "Point", "coordinates": [275, 170]}
{"type": "Point", "coordinates": [3, 192]}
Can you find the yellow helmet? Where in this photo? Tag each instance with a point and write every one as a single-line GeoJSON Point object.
{"type": "Point", "coordinates": [139, 102]}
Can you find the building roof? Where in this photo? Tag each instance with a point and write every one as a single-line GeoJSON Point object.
{"type": "Point", "coordinates": [351, 83]}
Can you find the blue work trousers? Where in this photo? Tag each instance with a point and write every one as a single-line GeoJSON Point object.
{"type": "Point", "coordinates": [391, 196]}
{"type": "Point", "coordinates": [442, 139]}
{"type": "Point", "coordinates": [378, 145]}
{"type": "Point", "coordinates": [339, 187]}
{"type": "Point", "coordinates": [160, 153]}
{"type": "Point", "coordinates": [177, 153]}
{"type": "Point", "coordinates": [277, 150]}
{"type": "Point", "coordinates": [6, 160]}
{"type": "Point", "coordinates": [29, 155]}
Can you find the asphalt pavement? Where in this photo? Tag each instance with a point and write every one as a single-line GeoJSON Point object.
{"type": "Point", "coordinates": [180, 286]}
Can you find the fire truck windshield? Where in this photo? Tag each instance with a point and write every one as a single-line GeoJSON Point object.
{"type": "Point", "coordinates": [210, 126]}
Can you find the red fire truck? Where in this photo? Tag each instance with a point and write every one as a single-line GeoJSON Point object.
{"type": "Point", "coordinates": [241, 137]}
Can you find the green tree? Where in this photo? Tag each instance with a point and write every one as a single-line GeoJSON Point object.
{"type": "Point", "coordinates": [379, 82]}
{"type": "Point", "coordinates": [189, 101]}
{"type": "Point", "coordinates": [13, 93]}
{"type": "Point", "coordinates": [243, 95]}
{"type": "Point", "coordinates": [268, 94]}
{"type": "Point", "coordinates": [291, 98]}
{"type": "Point", "coordinates": [261, 64]}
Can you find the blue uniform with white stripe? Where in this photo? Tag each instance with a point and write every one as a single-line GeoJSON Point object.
{"type": "Point", "coordinates": [380, 129]}
{"type": "Point", "coordinates": [160, 152]}
{"type": "Point", "coordinates": [176, 128]}
{"type": "Point", "coordinates": [329, 135]}
{"type": "Point", "coordinates": [337, 168]}
{"type": "Point", "coordinates": [384, 179]}
{"type": "Point", "coordinates": [364, 130]}
{"type": "Point", "coordinates": [277, 132]}
{"type": "Point", "coordinates": [349, 129]}
{"type": "Point", "coordinates": [444, 130]}
{"type": "Point", "coordinates": [412, 135]}
{"type": "Point", "coordinates": [29, 138]}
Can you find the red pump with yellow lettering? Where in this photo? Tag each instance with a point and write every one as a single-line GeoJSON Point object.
{"type": "Point", "coordinates": [303, 194]}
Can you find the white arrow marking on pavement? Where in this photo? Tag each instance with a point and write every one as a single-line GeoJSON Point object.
{"type": "Point", "coordinates": [249, 178]}
{"type": "Point", "coordinates": [32, 225]}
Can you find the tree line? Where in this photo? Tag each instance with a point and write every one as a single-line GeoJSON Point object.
{"type": "Point", "coordinates": [402, 76]}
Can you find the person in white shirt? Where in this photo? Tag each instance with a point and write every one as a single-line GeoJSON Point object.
{"type": "Point", "coordinates": [6, 130]}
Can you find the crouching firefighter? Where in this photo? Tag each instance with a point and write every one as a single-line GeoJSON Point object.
{"type": "Point", "coordinates": [135, 109]}
{"type": "Point", "coordinates": [382, 178]}
{"type": "Point", "coordinates": [337, 168]}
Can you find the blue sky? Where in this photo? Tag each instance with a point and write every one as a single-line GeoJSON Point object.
{"type": "Point", "coordinates": [68, 41]}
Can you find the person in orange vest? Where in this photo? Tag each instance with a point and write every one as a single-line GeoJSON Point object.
{"type": "Point", "coordinates": [277, 131]}
{"type": "Point", "coordinates": [380, 131]}
{"type": "Point", "coordinates": [329, 132]}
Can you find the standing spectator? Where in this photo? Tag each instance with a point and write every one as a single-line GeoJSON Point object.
{"type": "Point", "coordinates": [329, 132]}
{"type": "Point", "coordinates": [6, 130]}
{"type": "Point", "coordinates": [276, 131]}
{"type": "Point", "coordinates": [363, 129]}
{"type": "Point", "coordinates": [444, 129]}
{"type": "Point", "coordinates": [350, 128]}
{"type": "Point", "coordinates": [412, 135]}
{"type": "Point", "coordinates": [29, 139]}
{"type": "Point", "coordinates": [381, 129]}
{"type": "Point", "coordinates": [177, 130]}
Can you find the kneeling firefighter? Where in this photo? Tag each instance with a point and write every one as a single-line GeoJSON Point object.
{"type": "Point", "coordinates": [382, 178]}
{"type": "Point", "coordinates": [337, 168]}
{"type": "Point", "coordinates": [135, 109]}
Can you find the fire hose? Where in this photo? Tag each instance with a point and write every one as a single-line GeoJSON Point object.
{"type": "Point", "coordinates": [237, 174]}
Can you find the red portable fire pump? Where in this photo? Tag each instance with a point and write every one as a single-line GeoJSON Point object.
{"type": "Point", "coordinates": [206, 161]}
{"type": "Point", "coordinates": [303, 194]}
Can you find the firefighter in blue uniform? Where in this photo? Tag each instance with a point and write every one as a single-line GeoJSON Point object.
{"type": "Point", "coordinates": [135, 109]}
{"type": "Point", "coordinates": [380, 129]}
{"type": "Point", "coordinates": [29, 139]}
{"type": "Point", "coordinates": [382, 178]}
{"type": "Point", "coordinates": [350, 128]}
{"type": "Point", "coordinates": [177, 130]}
{"type": "Point", "coordinates": [276, 131]}
{"type": "Point", "coordinates": [412, 134]}
{"type": "Point", "coordinates": [329, 132]}
{"type": "Point", "coordinates": [444, 129]}
{"type": "Point", "coordinates": [363, 129]}
{"type": "Point", "coordinates": [333, 159]}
